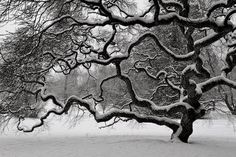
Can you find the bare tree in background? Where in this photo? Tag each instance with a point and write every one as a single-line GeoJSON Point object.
{"type": "Point", "coordinates": [215, 59]}
{"type": "Point", "coordinates": [133, 70]}
{"type": "Point", "coordinates": [227, 93]}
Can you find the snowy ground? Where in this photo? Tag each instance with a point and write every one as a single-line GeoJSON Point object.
{"type": "Point", "coordinates": [210, 138]}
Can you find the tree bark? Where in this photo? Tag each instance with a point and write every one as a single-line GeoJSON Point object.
{"type": "Point", "coordinates": [186, 125]}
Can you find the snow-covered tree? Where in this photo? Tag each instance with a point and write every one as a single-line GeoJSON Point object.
{"type": "Point", "coordinates": [129, 51]}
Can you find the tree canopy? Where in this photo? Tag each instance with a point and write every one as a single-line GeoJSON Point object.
{"type": "Point", "coordinates": [141, 60]}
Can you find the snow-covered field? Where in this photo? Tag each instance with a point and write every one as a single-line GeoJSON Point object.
{"type": "Point", "coordinates": [210, 138]}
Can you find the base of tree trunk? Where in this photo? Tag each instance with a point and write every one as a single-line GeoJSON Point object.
{"type": "Point", "coordinates": [186, 129]}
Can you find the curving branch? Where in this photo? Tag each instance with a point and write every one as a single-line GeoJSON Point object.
{"type": "Point", "coordinates": [102, 117]}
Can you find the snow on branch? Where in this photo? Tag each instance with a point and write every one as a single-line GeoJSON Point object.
{"type": "Point", "coordinates": [101, 117]}
{"type": "Point", "coordinates": [215, 81]}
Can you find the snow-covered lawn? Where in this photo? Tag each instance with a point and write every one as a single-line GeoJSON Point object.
{"type": "Point", "coordinates": [115, 146]}
{"type": "Point", "coordinates": [216, 138]}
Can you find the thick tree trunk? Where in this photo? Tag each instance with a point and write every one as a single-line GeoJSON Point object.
{"type": "Point", "coordinates": [187, 125]}
{"type": "Point", "coordinates": [186, 128]}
